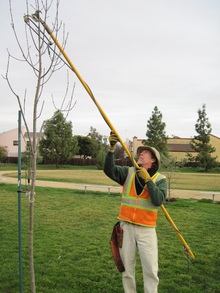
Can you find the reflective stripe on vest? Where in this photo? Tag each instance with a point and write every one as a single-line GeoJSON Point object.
{"type": "Point", "coordinates": [138, 209]}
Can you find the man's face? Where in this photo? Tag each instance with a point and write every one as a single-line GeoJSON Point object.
{"type": "Point", "coordinates": [145, 159]}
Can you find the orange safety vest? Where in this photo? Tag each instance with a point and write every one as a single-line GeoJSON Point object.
{"type": "Point", "coordinates": [138, 209]}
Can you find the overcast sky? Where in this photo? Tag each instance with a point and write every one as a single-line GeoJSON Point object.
{"type": "Point", "coordinates": [134, 55]}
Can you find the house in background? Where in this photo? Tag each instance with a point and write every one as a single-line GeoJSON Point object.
{"type": "Point", "coordinates": [178, 147]}
{"type": "Point", "coordinates": [9, 139]}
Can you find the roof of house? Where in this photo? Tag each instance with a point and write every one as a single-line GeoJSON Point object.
{"type": "Point", "coordinates": [174, 147]}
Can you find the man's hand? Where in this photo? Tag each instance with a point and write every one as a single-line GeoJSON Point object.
{"type": "Point", "coordinates": [113, 139]}
{"type": "Point", "coordinates": [142, 173]}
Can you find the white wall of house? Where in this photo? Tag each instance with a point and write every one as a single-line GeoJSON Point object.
{"type": "Point", "coordinates": [9, 139]}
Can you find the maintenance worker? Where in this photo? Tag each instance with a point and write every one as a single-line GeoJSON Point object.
{"type": "Point", "coordinates": [144, 190]}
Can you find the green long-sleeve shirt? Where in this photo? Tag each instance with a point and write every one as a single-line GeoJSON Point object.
{"type": "Point", "coordinates": [157, 191]}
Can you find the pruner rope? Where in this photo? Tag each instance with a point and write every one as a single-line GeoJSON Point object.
{"type": "Point", "coordinates": [36, 17]}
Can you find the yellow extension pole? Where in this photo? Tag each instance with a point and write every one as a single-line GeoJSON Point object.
{"type": "Point", "coordinates": [37, 18]}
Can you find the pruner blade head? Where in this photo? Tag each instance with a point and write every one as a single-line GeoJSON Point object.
{"type": "Point", "coordinates": [26, 18]}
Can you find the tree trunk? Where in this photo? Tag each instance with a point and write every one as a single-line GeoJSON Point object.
{"type": "Point", "coordinates": [31, 225]}
{"type": "Point", "coordinates": [31, 245]}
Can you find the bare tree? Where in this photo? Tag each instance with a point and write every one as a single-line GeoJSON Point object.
{"type": "Point", "coordinates": [42, 58]}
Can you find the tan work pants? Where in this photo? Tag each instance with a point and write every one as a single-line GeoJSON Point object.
{"type": "Point", "coordinates": [145, 239]}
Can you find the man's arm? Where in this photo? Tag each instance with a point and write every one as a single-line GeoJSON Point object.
{"type": "Point", "coordinates": [158, 191]}
{"type": "Point", "coordinates": [116, 173]}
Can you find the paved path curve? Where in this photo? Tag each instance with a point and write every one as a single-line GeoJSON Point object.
{"type": "Point", "coordinates": [176, 193]}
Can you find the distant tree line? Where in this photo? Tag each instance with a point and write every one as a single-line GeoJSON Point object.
{"type": "Point", "coordinates": [59, 146]}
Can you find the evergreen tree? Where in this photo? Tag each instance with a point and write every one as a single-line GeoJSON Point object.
{"type": "Point", "coordinates": [200, 142]}
{"type": "Point", "coordinates": [58, 145]}
{"type": "Point", "coordinates": [156, 134]}
{"type": "Point", "coordinates": [87, 147]}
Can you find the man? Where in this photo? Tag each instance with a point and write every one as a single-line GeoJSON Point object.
{"type": "Point", "coordinates": [144, 190]}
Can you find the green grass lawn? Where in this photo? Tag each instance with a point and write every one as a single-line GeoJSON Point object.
{"type": "Point", "coordinates": [71, 244]}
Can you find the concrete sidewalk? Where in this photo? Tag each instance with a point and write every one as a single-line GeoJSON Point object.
{"type": "Point", "coordinates": [176, 193]}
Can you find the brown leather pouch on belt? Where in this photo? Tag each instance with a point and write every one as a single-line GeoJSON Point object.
{"type": "Point", "coordinates": [116, 242]}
